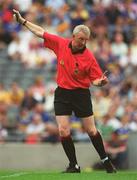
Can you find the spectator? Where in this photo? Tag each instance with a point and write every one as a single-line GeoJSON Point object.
{"type": "Point", "coordinates": [23, 119]}
{"type": "Point", "coordinates": [101, 104]}
{"type": "Point", "coordinates": [117, 151]}
{"type": "Point", "coordinates": [28, 100]}
{"type": "Point", "coordinates": [105, 128]}
{"type": "Point", "coordinates": [5, 38]}
{"type": "Point", "coordinates": [4, 96]}
{"type": "Point", "coordinates": [16, 94]}
{"type": "Point", "coordinates": [119, 47]}
{"type": "Point", "coordinates": [50, 96]}
{"type": "Point", "coordinates": [38, 131]}
{"type": "Point", "coordinates": [38, 89]}
{"type": "Point", "coordinates": [35, 129]}
{"type": "Point", "coordinates": [39, 109]}
{"type": "Point", "coordinates": [16, 48]}
{"type": "Point", "coordinates": [133, 51]}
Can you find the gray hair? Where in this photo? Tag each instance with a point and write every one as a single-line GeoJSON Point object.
{"type": "Point", "coordinates": [82, 28]}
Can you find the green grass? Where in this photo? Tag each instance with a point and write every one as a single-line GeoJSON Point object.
{"type": "Point", "coordinates": [43, 175]}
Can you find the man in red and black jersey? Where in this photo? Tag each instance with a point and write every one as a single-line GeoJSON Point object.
{"type": "Point", "coordinates": [77, 69]}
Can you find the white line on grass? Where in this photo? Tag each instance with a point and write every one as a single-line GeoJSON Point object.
{"type": "Point", "coordinates": [14, 175]}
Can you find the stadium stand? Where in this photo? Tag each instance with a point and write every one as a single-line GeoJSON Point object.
{"type": "Point", "coordinates": [22, 58]}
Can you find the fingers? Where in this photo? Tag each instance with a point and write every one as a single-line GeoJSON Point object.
{"type": "Point", "coordinates": [104, 75]}
{"type": "Point", "coordinates": [104, 80]}
{"type": "Point", "coordinates": [15, 11]}
{"type": "Point", "coordinates": [16, 14]}
{"type": "Point", "coordinates": [105, 72]}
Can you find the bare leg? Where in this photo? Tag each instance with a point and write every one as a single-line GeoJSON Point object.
{"type": "Point", "coordinates": [67, 143]}
{"type": "Point", "coordinates": [90, 128]}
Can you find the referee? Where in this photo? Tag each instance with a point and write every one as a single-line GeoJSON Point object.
{"type": "Point", "coordinates": [77, 69]}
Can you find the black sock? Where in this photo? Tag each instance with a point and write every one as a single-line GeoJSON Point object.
{"type": "Point", "coordinates": [98, 144]}
{"type": "Point", "coordinates": [69, 149]}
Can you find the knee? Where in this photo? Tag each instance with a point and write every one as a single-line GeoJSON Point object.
{"type": "Point", "coordinates": [91, 131]}
{"type": "Point", "coordinates": [64, 131]}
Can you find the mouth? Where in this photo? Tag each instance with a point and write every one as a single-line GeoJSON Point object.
{"type": "Point", "coordinates": [78, 47]}
{"type": "Point", "coordinates": [81, 46]}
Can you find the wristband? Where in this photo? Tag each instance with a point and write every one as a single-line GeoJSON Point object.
{"type": "Point", "coordinates": [24, 22]}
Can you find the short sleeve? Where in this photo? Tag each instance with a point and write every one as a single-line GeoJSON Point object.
{"type": "Point", "coordinates": [95, 70]}
{"type": "Point", "coordinates": [52, 41]}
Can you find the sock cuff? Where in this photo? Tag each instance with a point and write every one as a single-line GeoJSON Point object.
{"type": "Point", "coordinates": [96, 135]}
{"type": "Point", "coordinates": [63, 138]}
{"type": "Point", "coordinates": [105, 159]}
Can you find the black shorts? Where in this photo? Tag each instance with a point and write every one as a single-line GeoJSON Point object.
{"type": "Point", "coordinates": [78, 101]}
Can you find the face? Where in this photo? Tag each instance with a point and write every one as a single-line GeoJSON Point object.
{"type": "Point", "coordinates": [79, 41]}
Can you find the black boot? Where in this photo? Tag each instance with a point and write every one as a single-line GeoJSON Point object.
{"type": "Point", "coordinates": [109, 166]}
{"type": "Point", "coordinates": [72, 169]}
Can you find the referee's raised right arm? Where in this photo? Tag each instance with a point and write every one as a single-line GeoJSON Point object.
{"type": "Point", "coordinates": [35, 29]}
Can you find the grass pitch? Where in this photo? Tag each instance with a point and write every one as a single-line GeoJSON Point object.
{"type": "Point", "coordinates": [43, 175]}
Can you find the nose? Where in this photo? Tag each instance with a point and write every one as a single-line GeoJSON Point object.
{"type": "Point", "coordinates": [83, 42]}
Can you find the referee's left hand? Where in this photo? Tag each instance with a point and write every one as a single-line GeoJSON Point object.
{"type": "Point", "coordinates": [103, 80]}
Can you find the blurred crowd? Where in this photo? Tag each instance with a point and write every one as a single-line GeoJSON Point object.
{"type": "Point", "coordinates": [113, 41]}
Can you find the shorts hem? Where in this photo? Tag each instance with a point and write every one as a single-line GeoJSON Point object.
{"type": "Point", "coordinates": [84, 116]}
{"type": "Point", "coordinates": [63, 114]}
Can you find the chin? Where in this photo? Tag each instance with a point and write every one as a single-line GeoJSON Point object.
{"type": "Point", "coordinates": [79, 48]}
